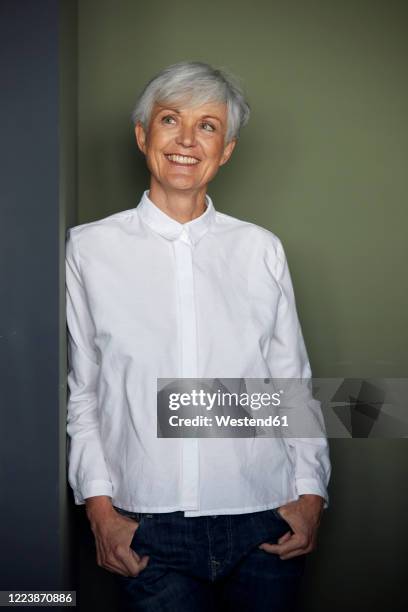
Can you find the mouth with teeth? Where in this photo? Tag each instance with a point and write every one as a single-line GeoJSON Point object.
{"type": "Point", "coordinates": [182, 160]}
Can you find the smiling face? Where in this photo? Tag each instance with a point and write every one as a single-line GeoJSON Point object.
{"type": "Point", "coordinates": [184, 146]}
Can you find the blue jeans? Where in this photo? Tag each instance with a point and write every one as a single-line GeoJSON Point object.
{"type": "Point", "coordinates": [210, 563]}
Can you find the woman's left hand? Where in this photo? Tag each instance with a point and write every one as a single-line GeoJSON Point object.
{"type": "Point", "coordinates": [303, 516]}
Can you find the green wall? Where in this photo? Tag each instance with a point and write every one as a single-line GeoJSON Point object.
{"type": "Point", "coordinates": [322, 163]}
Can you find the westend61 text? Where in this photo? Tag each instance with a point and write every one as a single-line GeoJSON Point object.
{"type": "Point", "coordinates": [227, 421]}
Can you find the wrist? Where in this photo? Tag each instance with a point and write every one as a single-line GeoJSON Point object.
{"type": "Point", "coordinates": [312, 499]}
{"type": "Point", "coordinates": [98, 508]}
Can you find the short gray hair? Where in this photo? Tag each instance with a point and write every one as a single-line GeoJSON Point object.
{"type": "Point", "coordinates": [195, 83]}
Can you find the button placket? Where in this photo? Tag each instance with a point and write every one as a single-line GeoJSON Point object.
{"type": "Point", "coordinates": [188, 337]}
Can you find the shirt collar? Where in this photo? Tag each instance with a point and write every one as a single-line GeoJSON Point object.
{"type": "Point", "coordinates": [171, 229]}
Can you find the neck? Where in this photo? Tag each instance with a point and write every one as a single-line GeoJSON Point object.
{"type": "Point", "coordinates": [183, 206]}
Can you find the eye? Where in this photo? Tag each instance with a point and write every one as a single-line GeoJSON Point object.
{"type": "Point", "coordinates": [208, 126]}
{"type": "Point", "coordinates": [168, 119]}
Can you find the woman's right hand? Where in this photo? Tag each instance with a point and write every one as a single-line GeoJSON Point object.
{"type": "Point", "coordinates": [113, 535]}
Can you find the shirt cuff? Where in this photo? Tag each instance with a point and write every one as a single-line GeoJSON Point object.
{"type": "Point", "coordinates": [312, 486]}
{"type": "Point", "coordinates": [92, 488]}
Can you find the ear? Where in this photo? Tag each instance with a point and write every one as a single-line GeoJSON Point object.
{"type": "Point", "coordinates": [140, 137]}
{"type": "Point", "coordinates": [228, 151]}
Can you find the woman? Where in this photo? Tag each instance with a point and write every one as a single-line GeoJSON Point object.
{"type": "Point", "coordinates": [175, 289]}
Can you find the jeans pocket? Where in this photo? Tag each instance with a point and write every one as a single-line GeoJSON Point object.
{"type": "Point", "coordinates": [278, 515]}
{"type": "Point", "coordinates": [136, 534]}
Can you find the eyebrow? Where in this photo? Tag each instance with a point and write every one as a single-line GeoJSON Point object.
{"type": "Point", "coordinates": [176, 110]}
{"type": "Point", "coordinates": [212, 117]}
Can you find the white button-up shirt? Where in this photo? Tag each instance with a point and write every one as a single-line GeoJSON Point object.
{"type": "Point", "coordinates": [147, 298]}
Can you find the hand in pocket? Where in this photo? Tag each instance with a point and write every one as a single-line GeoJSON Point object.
{"type": "Point", "coordinates": [113, 537]}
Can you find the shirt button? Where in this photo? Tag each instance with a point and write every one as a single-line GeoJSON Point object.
{"type": "Point", "coordinates": [185, 236]}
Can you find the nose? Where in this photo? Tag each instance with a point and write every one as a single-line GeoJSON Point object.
{"type": "Point", "coordinates": [186, 135]}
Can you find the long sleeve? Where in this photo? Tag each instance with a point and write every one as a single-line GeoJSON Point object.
{"type": "Point", "coordinates": [288, 359]}
{"type": "Point", "coordinates": [87, 472]}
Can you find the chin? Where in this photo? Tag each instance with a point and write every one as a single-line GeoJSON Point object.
{"type": "Point", "coordinates": [182, 185]}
